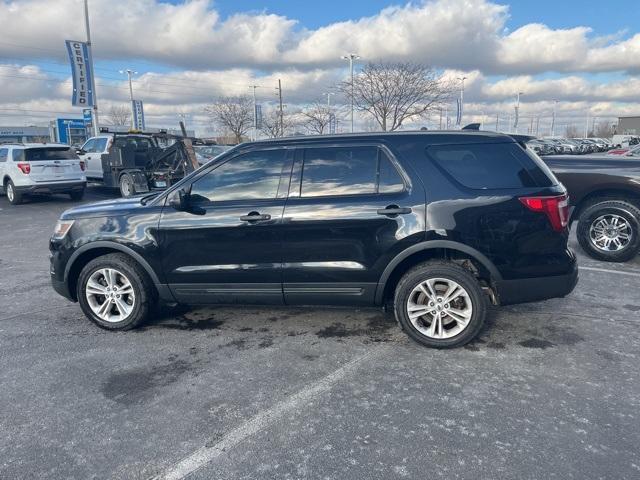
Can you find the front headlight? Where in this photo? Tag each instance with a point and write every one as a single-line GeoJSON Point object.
{"type": "Point", "coordinates": [62, 228]}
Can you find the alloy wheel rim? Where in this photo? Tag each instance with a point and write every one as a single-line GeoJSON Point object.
{"type": "Point", "coordinates": [9, 192]}
{"type": "Point", "coordinates": [610, 233]}
{"type": "Point", "coordinates": [110, 295]}
{"type": "Point", "coordinates": [439, 308]}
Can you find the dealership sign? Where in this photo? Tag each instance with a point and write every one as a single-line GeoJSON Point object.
{"type": "Point", "coordinates": [138, 114]}
{"type": "Point", "coordinates": [81, 73]}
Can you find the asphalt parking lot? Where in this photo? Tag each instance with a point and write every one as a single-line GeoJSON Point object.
{"type": "Point", "coordinates": [549, 390]}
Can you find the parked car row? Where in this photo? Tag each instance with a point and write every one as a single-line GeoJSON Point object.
{"type": "Point", "coordinates": [569, 146]}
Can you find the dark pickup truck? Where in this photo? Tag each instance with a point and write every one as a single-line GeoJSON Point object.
{"type": "Point", "coordinates": [604, 196]}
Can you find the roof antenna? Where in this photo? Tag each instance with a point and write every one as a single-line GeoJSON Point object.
{"type": "Point", "coordinates": [472, 126]}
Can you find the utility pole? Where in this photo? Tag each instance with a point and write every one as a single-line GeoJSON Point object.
{"type": "Point", "coordinates": [351, 57]}
{"type": "Point", "coordinates": [462, 79]}
{"type": "Point", "coordinates": [497, 121]}
{"type": "Point", "coordinates": [96, 128]}
{"type": "Point", "coordinates": [440, 118]}
{"type": "Point", "coordinates": [553, 118]}
{"type": "Point", "coordinates": [129, 72]}
{"type": "Point", "coordinates": [255, 113]}
{"type": "Point", "coordinates": [281, 111]}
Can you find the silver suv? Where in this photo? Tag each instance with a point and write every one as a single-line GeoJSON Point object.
{"type": "Point", "coordinates": [36, 168]}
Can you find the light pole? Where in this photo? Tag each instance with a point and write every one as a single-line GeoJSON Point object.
{"type": "Point", "coordinates": [130, 72]}
{"type": "Point", "coordinates": [96, 128]}
{"type": "Point", "coordinates": [553, 119]}
{"type": "Point", "coordinates": [351, 57]}
{"type": "Point", "coordinates": [515, 124]}
{"type": "Point", "coordinates": [462, 79]}
{"type": "Point", "coordinates": [328, 94]}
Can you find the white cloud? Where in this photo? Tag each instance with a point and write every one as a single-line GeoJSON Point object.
{"type": "Point", "coordinates": [463, 34]}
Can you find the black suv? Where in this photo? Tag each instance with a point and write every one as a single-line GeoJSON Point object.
{"type": "Point", "coordinates": [435, 223]}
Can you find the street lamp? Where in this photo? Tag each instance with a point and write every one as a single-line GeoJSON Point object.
{"type": "Point", "coordinates": [130, 72]}
{"type": "Point", "coordinates": [351, 57]}
{"type": "Point", "coordinates": [553, 119]}
{"type": "Point", "coordinates": [515, 124]}
{"type": "Point", "coordinates": [462, 79]}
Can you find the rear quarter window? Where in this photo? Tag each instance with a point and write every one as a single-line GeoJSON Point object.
{"type": "Point", "coordinates": [50, 153]}
{"type": "Point", "coordinates": [485, 166]}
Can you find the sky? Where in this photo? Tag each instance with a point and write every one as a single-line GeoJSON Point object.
{"type": "Point", "coordinates": [584, 55]}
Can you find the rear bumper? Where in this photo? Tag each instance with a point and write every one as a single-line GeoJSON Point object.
{"type": "Point", "coordinates": [51, 187]}
{"type": "Point", "coordinates": [535, 289]}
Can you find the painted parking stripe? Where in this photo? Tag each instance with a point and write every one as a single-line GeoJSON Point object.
{"type": "Point", "coordinates": [266, 418]}
{"type": "Point", "coordinates": [606, 270]}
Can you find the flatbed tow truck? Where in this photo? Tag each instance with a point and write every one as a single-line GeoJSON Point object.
{"type": "Point", "coordinates": [135, 162]}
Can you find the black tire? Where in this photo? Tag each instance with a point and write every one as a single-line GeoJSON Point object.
{"type": "Point", "coordinates": [142, 288]}
{"type": "Point", "coordinates": [127, 186]}
{"type": "Point", "coordinates": [76, 195]}
{"type": "Point", "coordinates": [598, 208]}
{"type": "Point", "coordinates": [14, 197]}
{"type": "Point", "coordinates": [448, 271]}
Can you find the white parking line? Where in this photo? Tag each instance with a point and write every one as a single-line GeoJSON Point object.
{"type": "Point", "coordinates": [264, 419]}
{"type": "Point", "coordinates": [606, 270]}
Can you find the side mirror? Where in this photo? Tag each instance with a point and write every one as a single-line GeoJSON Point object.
{"type": "Point", "coordinates": [179, 200]}
{"type": "Point", "coordinates": [80, 151]}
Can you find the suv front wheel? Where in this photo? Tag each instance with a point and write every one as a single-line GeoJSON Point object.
{"type": "Point", "coordinates": [440, 304]}
{"type": "Point", "coordinates": [114, 292]}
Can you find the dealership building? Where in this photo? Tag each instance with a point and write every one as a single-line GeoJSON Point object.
{"type": "Point", "coordinates": [24, 134]}
{"type": "Point", "coordinates": [628, 126]}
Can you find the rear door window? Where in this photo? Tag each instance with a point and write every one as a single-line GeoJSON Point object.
{"type": "Point", "coordinates": [100, 145]}
{"type": "Point", "coordinates": [49, 154]}
{"type": "Point", "coordinates": [484, 166]}
{"type": "Point", "coordinates": [4, 152]}
{"type": "Point", "coordinates": [355, 170]}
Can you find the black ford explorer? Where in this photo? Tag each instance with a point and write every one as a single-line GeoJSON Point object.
{"type": "Point", "coordinates": [436, 224]}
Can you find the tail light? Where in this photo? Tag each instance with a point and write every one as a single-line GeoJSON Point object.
{"type": "Point", "coordinates": [556, 209]}
{"type": "Point", "coordinates": [24, 168]}
{"type": "Point", "coordinates": [82, 165]}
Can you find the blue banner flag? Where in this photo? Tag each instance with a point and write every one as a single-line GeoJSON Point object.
{"type": "Point", "coordinates": [81, 73]}
{"type": "Point", "coordinates": [138, 114]}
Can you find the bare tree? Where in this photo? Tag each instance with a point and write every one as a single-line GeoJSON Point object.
{"type": "Point", "coordinates": [571, 131]}
{"type": "Point", "coordinates": [394, 93]}
{"type": "Point", "coordinates": [233, 114]}
{"type": "Point", "coordinates": [274, 127]}
{"type": "Point", "coordinates": [603, 130]}
{"type": "Point", "coordinates": [119, 115]}
{"type": "Point", "coordinates": [317, 118]}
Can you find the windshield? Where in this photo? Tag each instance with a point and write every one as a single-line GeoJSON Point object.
{"type": "Point", "coordinates": [49, 154]}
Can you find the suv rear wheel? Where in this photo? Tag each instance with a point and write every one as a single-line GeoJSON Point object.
{"type": "Point", "coordinates": [14, 197]}
{"type": "Point", "coordinates": [127, 187]}
{"type": "Point", "coordinates": [114, 292]}
{"type": "Point", "coordinates": [609, 230]}
{"type": "Point", "coordinates": [440, 304]}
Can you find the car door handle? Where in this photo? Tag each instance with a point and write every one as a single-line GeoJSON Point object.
{"type": "Point", "coordinates": [255, 217]}
{"type": "Point", "coordinates": [393, 210]}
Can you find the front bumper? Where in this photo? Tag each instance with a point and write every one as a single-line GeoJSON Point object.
{"type": "Point", "coordinates": [61, 287]}
{"type": "Point", "coordinates": [535, 289]}
{"type": "Point", "coordinates": [65, 187]}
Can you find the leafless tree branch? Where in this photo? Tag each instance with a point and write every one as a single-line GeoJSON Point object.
{"type": "Point", "coordinates": [233, 114]}
{"type": "Point", "coordinates": [394, 93]}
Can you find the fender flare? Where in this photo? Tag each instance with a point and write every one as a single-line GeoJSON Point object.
{"type": "Point", "coordinates": [430, 245]}
{"type": "Point", "coordinates": [114, 246]}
